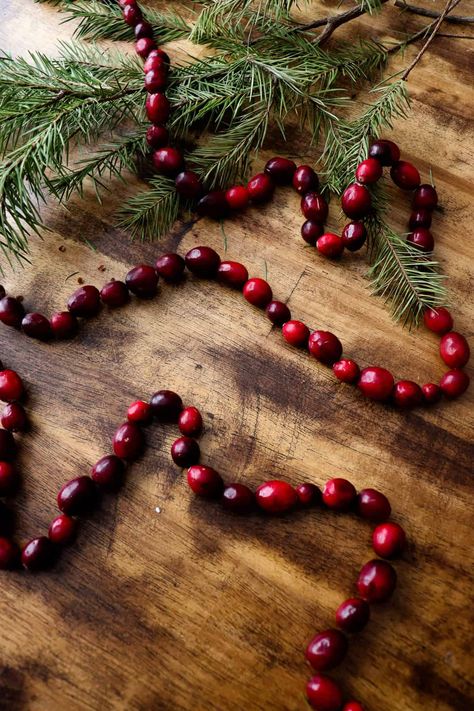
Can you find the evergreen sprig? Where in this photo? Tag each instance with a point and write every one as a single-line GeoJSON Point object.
{"type": "Point", "coordinates": [151, 213]}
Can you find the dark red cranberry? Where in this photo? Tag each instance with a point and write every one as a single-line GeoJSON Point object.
{"type": "Point", "coordinates": [166, 406]}
{"type": "Point", "coordinates": [78, 496]}
{"type": "Point", "coordinates": [142, 281]}
{"type": "Point", "coordinates": [190, 422]}
{"type": "Point", "coordinates": [353, 614]}
{"type": "Point", "coordinates": [156, 58]}
{"type": "Point", "coordinates": [232, 274]}
{"type": "Point", "coordinates": [407, 394]}
{"type": "Point", "coordinates": [114, 294]}
{"type": "Point", "coordinates": [425, 197]}
{"type": "Point", "coordinates": [144, 46]}
{"type": "Point", "coordinates": [257, 292]}
{"type": "Point", "coordinates": [314, 207]}
{"type": "Point", "coordinates": [421, 238]}
{"type": "Point", "coordinates": [143, 29]}
{"type": "Point", "coordinates": [203, 262]}
{"type": "Point", "coordinates": [305, 180]}
{"type": "Point", "coordinates": [37, 326]}
{"type": "Point", "coordinates": [308, 494]}
{"type": "Point", "coordinates": [386, 152]}
{"type": "Point", "coordinates": [157, 136]}
{"type": "Point", "coordinates": [11, 311]}
{"type": "Point", "coordinates": [213, 205]}
{"type": "Point", "coordinates": [9, 554]}
{"type": "Point", "coordinates": [388, 540]}
{"type": "Point", "coordinates": [205, 481]}
{"type": "Point", "coordinates": [63, 325]}
{"type": "Point", "coordinates": [373, 505]}
{"type": "Point", "coordinates": [62, 530]}
{"type": "Point", "coordinates": [369, 171]}
{"type": "Point", "coordinates": [108, 473]}
{"type": "Point", "coordinates": [454, 383]}
{"type": "Point", "coordinates": [158, 108]}
{"type": "Point", "coordinates": [376, 383]}
{"type": "Point", "coordinates": [237, 197]}
{"type": "Point", "coordinates": [323, 694]}
{"type": "Point", "coordinates": [168, 161]}
{"type": "Point", "coordinates": [140, 412]}
{"type": "Point", "coordinates": [346, 370]}
{"type": "Point", "coordinates": [281, 170]}
{"type": "Point", "coordinates": [352, 706]}
{"type": "Point", "coordinates": [278, 312]}
{"type": "Point", "coordinates": [310, 231]}
{"type": "Point", "coordinates": [420, 218]}
{"type": "Point", "coordinates": [377, 581]}
{"type": "Point", "coordinates": [431, 393]}
{"type": "Point", "coordinates": [276, 496]}
{"type": "Point", "coordinates": [296, 333]}
{"type": "Point", "coordinates": [353, 236]}
{"type": "Point", "coordinates": [339, 494]}
{"type": "Point", "coordinates": [7, 446]}
{"type": "Point", "coordinates": [325, 346]}
{"type": "Point", "coordinates": [454, 349]}
{"type": "Point", "coordinates": [327, 650]}
{"type": "Point", "coordinates": [11, 386]}
{"type": "Point", "coordinates": [170, 267]}
{"type": "Point", "coordinates": [9, 478]}
{"type": "Point", "coordinates": [356, 201]}
{"type": "Point", "coordinates": [14, 417]}
{"type": "Point", "coordinates": [330, 245]}
{"type": "Point", "coordinates": [84, 302]}
{"type": "Point", "coordinates": [156, 79]}
{"type": "Point", "coordinates": [188, 184]}
{"type": "Point", "coordinates": [128, 441]}
{"type": "Point", "coordinates": [438, 320]}
{"type": "Point", "coordinates": [260, 188]}
{"type": "Point", "coordinates": [238, 498]}
{"type": "Point", "coordinates": [185, 452]}
{"type": "Point", "coordinates": [405, 175]}
{"type": "Point", "coordinates": [132, 15]}
{"type": "Point", "coordinates": [38, 554]}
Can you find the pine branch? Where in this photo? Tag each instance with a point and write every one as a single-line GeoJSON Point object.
{"type": "Point", "coordinates": [151, 213]}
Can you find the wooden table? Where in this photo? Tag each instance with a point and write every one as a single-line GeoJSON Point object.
{"type": "Point", "coordinates": [192, 608]}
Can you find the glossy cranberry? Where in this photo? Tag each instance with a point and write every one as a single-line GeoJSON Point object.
{"type": "Point", "coordinates": [132, 15]}
{"type": "Point", "coordinates": [14, 417]}
{"type": "Point", "coordinates": [326, 650]}
{"type": "Point", "coordinates": [373, 505]}
{"type": "Point", "coordinates": [158, 108]}
{"type": "Point", "coordinates": [157, 58]}
{"type": "Point", "coordinates": [388, 540]}
{"type": "Point", "coordinates": [237, 197]}
{"type": "Point", "coordinates": [238, 498]}
{"type": "Point", "coordinates": [339, 494]}
{"type": "Point", "coordinates": [205, 481]}
{"type": "Point", "coordinates": [323, 694]}
{"type": "Point", "coordinates": [356, 201]}
{"type": "Point", "coordinates": [188, 184]}
{"type": "Point", "coordinates": [330, 245]}
{"type": "Point", "coordinates": [140, 412]}
{"type": "Point", "coordinates": [405, 175]}
{"type": "Point", "coordinates": [377, 581]}
{"type": "Point", "coordinates": [108, 473]}
{"type": "Point", "coordinates": [260, 188]}
{"type": "Point", "coordinates": [353, 236]}
{"type": "Point", "coordinates": [185, 451]}
{"type": "Point", "coordinates": [310, 231]}
{"type": "Point", "coordinates": [143, 29]}
{"type": "Point", "coordinates": [168, 161]}
{"type": "Point", "coordinates": [276, 496]}
{"type": "Point", "coordinates": [37, 326]}
{"type": "Point", "coordinates": [156, 79]}
{"type": "Point", "coordinates": [144, 46]}
{"type": "Point", "coordinates": [7, 446]}
{"type": "Point", "coordinates": [166, 406]}
{"type": "Point", "coordinates": [438, 320]}
{"type": "Point", "coordinates": [346, 370]}
{"type": "Point", "coordinates": [84, 302]}
{"type": "Point", "coordinates": [142, 281]}
{"type": "Point", "coordinates": [157, 136]}
{"type": "Point", "coordinates": [421, 238]}
{"type": "Point", "coordinates": [305, 180]}
{"type": "Point", "coordinates": [369, 171]}
{"type": "Point", "coordinates": [352, 615]}
{"type": "Point", "coordinates": [325, 346]}
{"type": "Point", "coordinates": [352, 706]}
{"type": "Point", "coordinates": [78, 496]}
{"type": "Point", "coordinates": [278, 312]}
{"type": "Point", "coordinates": [314, 207]}
{"type": "Point", "coordinates": [425, 197]}
{"type": "Point", "coordinates": [11, 311]}
{"type": "Point", "coordinates": [128, 441]}
{"type": "Point", "coordinates": [257, 292]}
{"type": "Point", "coordinates": [190, 421]}
{"type": "Point", "coordinates": [9, 478]}
{"type": "Point", "coordinates": [38, 554]}
{"type": "Point", "coordinates": [380, 150]}
{"type": "Point", "coordinates": [376, 383]}
{"type": "Point", "coordinates": [407, 394]}
{"type": "Point", "coordinates": [63, 325]}
{"type": "Point", "coordinates": [8, 554]}
{"type": "Point", "coordinates": [62, 530]}
{"type": "Point", "coordinates": [296, 333]}
{"type": "Point", "coordinates": [308, 494]}
{"type": "Point", "coordinates": [281, 170]}
{"type": "Point", "coordinates": [232, 274]}
{"type": "Point", "coordinates": [203, 262]}
{"type": "Point", "coordinates": [454, 383]}
{"type": "Point", "coordinates": [213, 205]}
{"type": "Point", "coordinates": [420, 218]}
{"type": "Point", "coordinates": [11, 386]}
{"type": "Point", "coordinates": [431, 393]}
{"type": "Point", "coordinates": [454, 349]}
{"type": "Point", "coordinates": [170, 267]}
{"type": "Point", "coordinates": [115, 294]}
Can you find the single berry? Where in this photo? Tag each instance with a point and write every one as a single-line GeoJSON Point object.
{"type": "Point", "coordinates": [405, 175]}
{"type": "Point", "coordinates": [438, 320]}
{"type": "Point", "coordinates": [202, 262]}
{"type": "Point", "coordinates": [369, 171]}
{"type": "Point", "coordinates": [386, 152]}
{"type": "Point", "coordinates": [454, 383]}
{"type": "Point", "coordinates": [305, 180]}
{"type": "Point", "coordinates": [420, 218]}
{"type": "Point", "coordinates": [232, 274]}
{"type": "Point", "coordinates": [62, 530]}
{"type": "Point", "coordinates": [63, 325]}
{"type": "Point", "coordinates": [388, 540]}
{"type": "Point", "coordinates": [346, 370]}
{"type": "Point", "coordinates": [9, 479]}
{"type": "Point", "coordinates": [278, 313]}
{"type": "Point", "coordinates": [188, 184]}
{"type": "Point", "coordinates": [325, 347]}
{"type": "Point", "coordinates": [356, 201]}
{"type": "Point", "coordinates": [132, 14]}
{"type": "Point", "coordinates": [78, 496]}
{"type": "Point", "coordinates": [11, 311]}
{"type": "Point", "coordinates": [377, 581]}
{"type": "Point", "coordinates": [156, 79]}
{"type": "Point", "coordinates": [213, 205]}
{"type": "Point", "coordinates": [330, 245]}
{"type": "Point", "coordinates": [376, 383]}
{"type": "Point", "coordinates": [353, 236]}
{"type": "Point", "coordinates": [158, 108]}
{"type": "Point", "coordinates": [431, 393]}
{"type": "Point", "coordinates": [352, 615]}
{"type": "Point", "coordinates": [422, 239]}
{"type": "Point", "coordinates": [84, 302]}
{"type": "Point", "coordinates": [276, 496]}
{"type": "Point", "coordinates": [185, 452]}
{"type": "Point", "coordinates": [281, 170]}
{"type": "Point", "coordinates": [143, 29]}
{"type": "Point", "coordinates": [144, 46]}
{"type": "Point", "coordinates": [339, 494]}
{"type": "Point", "coordinates": [115, 294]}
{"type": "Point", "coordinates": [296, 333]}
{"type": "Point", "coordinates": [238, 498]}
{"type": "Point", "coordinates": [407, 394]}
{"type": "Point", "coordinates": [323, 694]}
{"type": "Point", "coordinates": [352, 706]}
{"type": "Point", "coordinates": [157, 136]}
{"type": "Point", "coordinates": [425, 197]}
{"type": "Point", "coordinates": [373, 505]}
{"type": "Point", "coordinates": [166, 406]}
{"type": "Point", "coordinates": [38, 554]}
{"type": "Point", "coordinates": [168, 161]}
{"type": "Point", "coordinates": [257, 292]}
{"type": "Point", "coordinates": [237, 197]}
{"type": "Point", "coordinates": [190, 422]}
{"type": "Point", "coordinates": [310, 231]}
{"type": "Point", "coordinates": [108, 473]}
{"type": "Point", "coordinates": [128, 441]}
{"type": "Point", "coordinates": [454, 349]}
{"type": "Point", "coordinates": [260, 188]}
{"type": "Point", "coordinates": [314, 207]}
{"type": "Point", "coordinates": [142, 281]}
{"type": "Point", "coordinates": [140, 412]}
{"type": "Point", "coordinates": [36, 326]}
{"type": "Point", "coordinates": [11, 386]}
{"type": "Point", "coordinates": [14, 417]}
{"type": "Point", "coordinates": [327, 650]}
{"type": "Point", "coordinates": [205, 481]}
{"type": "Point", "coordinates": [308, 494]}
{"type": "Point", "coordinates": [170, 267]}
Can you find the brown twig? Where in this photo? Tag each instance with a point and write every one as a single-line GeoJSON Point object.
{"type": "Point", "coordinates": [332, 23]}
{"type": "Point", "coordinates": [432, 13]}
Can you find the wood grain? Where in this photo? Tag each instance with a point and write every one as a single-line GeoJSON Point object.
{"type": "Point", "coordinates": [192, 608]}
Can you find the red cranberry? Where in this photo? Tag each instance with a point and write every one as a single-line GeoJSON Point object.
{"type": "Point", "coordinates": [36, 326]}
{"type": "Point", "coordinates": [326, 650]}
{"type": "Point", "coordinates": [205, 481]}
{"type": "Point", "coordinates": [156, 79]}
{"type": "Point", "coordinates": [314, 207]}
{"type": "Point", "coordinates": [84, 302]}
{"type": "Point", "coordinates": [170, 267]}
{"type": "Point", "coordinates": [7, 446]}
{"type": "Point", "coordinates": [140, 412]}
{"type": "Point", "coordinates": [281, 170]}
{"type": "Point", "coordinates": [352, 615]}
{"type": "Point", "coordinates": [144, 46]}
{"type": "Point", "coordinates": [356, 201]}
{"type": "Point", "coordinates": [168, 160]}
{"type": "Point", "coordinates": [257, 292]}
{"type": "Point", "coordinates": [330, 245]}
{"type": "Point", "coordinates": [108, 472]}
{"type": "Point", "coordinates": [308, 494]}
{"type": "Point", "coordinates": [431, 393]}
{"type": "Point", "coordinates": [62, 530]}
{"type": "Point", "coordinates": [203, 262]}
{"type": "Point", "coordinates": [325, 346]}
{"type": "Point", "coordinates": [373, 505]}
{"type": "Point", "coordinates": [132, 15]}
{"type": "Point", "coordinates": [11, 386]}
{"type": "Point", "coordinates": [260, 188]}
{"type": "Point", "coordinates": [369, 171]}
{"type": "Point", "coordinates": [143, 29]}
{"type": "Point", "coordinates": [158, 108]}
{"type": "Point", "coordinates": [425, 197]}
{"type": "Point", "coordinates": [421, 238]}
{"type": "Point", "coordinates": [407, 394]}
{"type": "Point", "coordinates": [305, 180]}
{"type": "Point", "coordinates": [405, 175]}
{"type": "Point", "coordinates": [166, 406]}
{"type": "Point", "coordinates": [276, 496]}
{"type": "Point", "coordinates": [376, 383]}
{"type": "Point", "coordinates": [128, 441]}
{"type": "Point", "coordinates": [8, 478]}
{"type": "Point", "coordinates": [296, 333]}
{"type": "Point", "coordinates": [454, 383]}
{"type": "Point", "coordinates": [352, 706]}
{"type": "Point", "coordinates": [156, 58]}
{"type": "Point", "coordinates": [323, 694]}
{"type": "Point", "coordinates": [157, 136]}
{"type": "Point", "coordinates": [377, 581]}
{"type": "Point", "coordinates": [8, 554]}
{"type": "Point", "coordinates": [188, 184]}
{"type": "Point", "coordinates": [185, 452]}
{"type": "Point", "coordinates": [238, 498]}
{"type": "Point", "coordinates": [14, 418]}
{"type": "Point", "coordinates": [310, 231]}
{"type": "Point", "coordinates": [388, 540]}
{"type": "Point", "coordinates": [353, 236]}
{"type": "Point", "coordinates": [142, 281]}
{"type": "Point", "coordinates": [454, 349]}
{"type": "Point", "coordinates": [339, 494]}
{"type": "Point", "coordinates": [190, 421]}
{"type": "Point", "coordinates": [232, 274]}
{"type": "Point", "coordinates": [346, 370]}
{"type": "Point", "coordinates": [78, 496]}
{"type": "Point", "coordinates": [278, 312]}
{"type": "Point", "coordinates": [438, 320]}
{"type": "Point", "coordinates": [38, 554]}
{"type": "Point", "coordinates": [114, 294]}
{"type": "Point", "coordinates": [419, 218]}
{"type": "Point", "coordinates": [213, 205]}
{"type": "Point", "coordinates": [237, 197]}
{"type": "Point", "coordinates": [63, 325]}
{"type": "Point", "coordinates": [11, 311]}
{"type": "Point", "coordinates": [386, 152]}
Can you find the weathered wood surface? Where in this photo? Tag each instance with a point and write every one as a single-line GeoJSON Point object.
{"type": "Point", "coordinates": [192, 608]}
